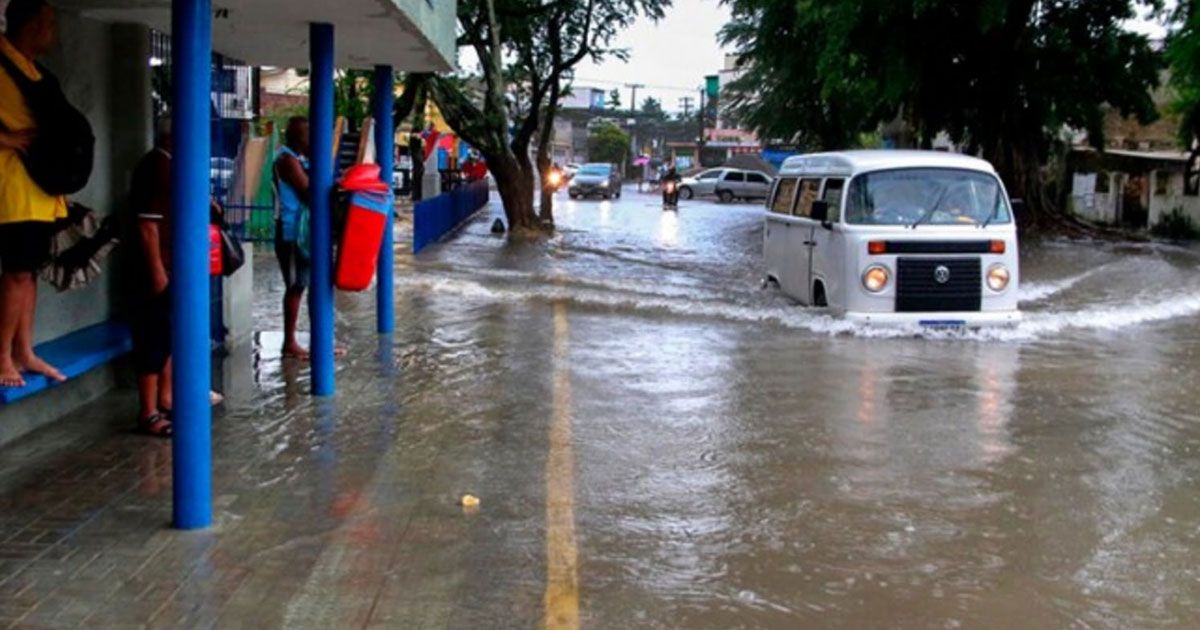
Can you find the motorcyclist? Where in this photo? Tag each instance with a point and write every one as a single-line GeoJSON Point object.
{"type": "Point", "coordinates": [670, 183]}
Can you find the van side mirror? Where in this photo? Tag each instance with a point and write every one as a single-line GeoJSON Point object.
{"type": "Point", "coordinates": [820, 212]}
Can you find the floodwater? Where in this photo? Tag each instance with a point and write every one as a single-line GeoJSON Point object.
{"type": "Point", "coordinates": [658, 442]}
{"type": "Point", "coordinates": [740, 461]}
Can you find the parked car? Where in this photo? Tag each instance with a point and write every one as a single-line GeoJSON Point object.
{"type": "Point", "coordinates": [910, 238]}
{"type": "Point", "coordinates": [596, 179]}
{"type": "Point", "coordinates": [727, 184]}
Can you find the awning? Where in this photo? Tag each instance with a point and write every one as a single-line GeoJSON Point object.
{"type": "Point", "coordinates": [411, 35]}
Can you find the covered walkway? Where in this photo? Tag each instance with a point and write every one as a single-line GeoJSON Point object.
{"type": "Point", "coordinates": [387, 35]}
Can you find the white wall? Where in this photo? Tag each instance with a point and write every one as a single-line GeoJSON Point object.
{"type": "Point", "coordinates": [1174, 197]}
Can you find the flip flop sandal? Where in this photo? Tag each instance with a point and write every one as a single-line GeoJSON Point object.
{"type": "Point", "coordinates": [156, 425]}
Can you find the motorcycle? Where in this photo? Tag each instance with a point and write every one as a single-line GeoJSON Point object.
{"type": "Point", "coordinates": [555, 180]}
{"type": "Point", "coordinates": [670, 194]}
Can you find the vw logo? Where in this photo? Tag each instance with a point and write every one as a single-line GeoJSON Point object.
{"type": "Point", "coordinates": [942, 274]}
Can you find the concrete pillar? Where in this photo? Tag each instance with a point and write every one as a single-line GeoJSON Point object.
{"type": "Point", "coordinates": [320, 295]}
{"type": "Point", "coordinates": [191, 27]}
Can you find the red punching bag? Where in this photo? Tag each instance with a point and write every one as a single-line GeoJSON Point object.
{"type": "Point", "coordinates": [368, 214]}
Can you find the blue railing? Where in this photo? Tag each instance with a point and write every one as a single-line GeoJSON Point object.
{"type": "Point", "coordinates": [434, 218]}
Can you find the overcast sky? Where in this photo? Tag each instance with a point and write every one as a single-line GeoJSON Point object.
{"type": "Point", "coordinates": [672, 57]}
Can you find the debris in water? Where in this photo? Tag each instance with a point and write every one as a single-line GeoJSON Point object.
{"type": "Point", "coordinates": [469, 502]}
{"type": "Point", "coordinates": [497, 227]}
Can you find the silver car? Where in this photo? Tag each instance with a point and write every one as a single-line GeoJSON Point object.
{"type": "Point", "coordinates": [727, 184]}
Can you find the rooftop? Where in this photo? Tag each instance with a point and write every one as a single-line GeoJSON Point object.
{"type": "Point", "coordinates": [848, 162]}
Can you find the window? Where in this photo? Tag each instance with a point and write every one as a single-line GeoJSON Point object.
{"type": "Point", "coordinates": [735, 176]}
{"type": "Point", "coordinates": [1102, 183]}
{"type": "Point", "coordinates": [708, 175]}
{"type": "Point", "coordinates": [809, 188]}
{"type": "Point", "coordinates": [833, 197]}
{"type": "Point", "coordinates": [757, 178]}
{"type": "Point", "coordinates": [785, 194]}
{"type": "Point", "coordinates": [1162, 180]}
{"type": "Point", "coordinates": [926, 195]}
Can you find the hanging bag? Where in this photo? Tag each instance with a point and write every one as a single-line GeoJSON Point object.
{"type": "Point", "coordinates": [60, 158]}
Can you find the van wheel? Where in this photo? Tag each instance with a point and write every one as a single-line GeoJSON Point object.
{"type": "Point", "coordinates": [685, 192]}
{"type": "Point", "coordinates": [770, 282]}
{"type": "Point", "coordinates": [819, 299]}
{"type": "Point", "coordinates": [726, 196]}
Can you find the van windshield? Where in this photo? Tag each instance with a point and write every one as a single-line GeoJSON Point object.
{"type": "Point", "coordinates": [595, 169]}
{"type": "Point", "coordinates": [932, 196]}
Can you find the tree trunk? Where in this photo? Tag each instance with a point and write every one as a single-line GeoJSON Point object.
{"type": "Point", "coordinates": [515, 184]}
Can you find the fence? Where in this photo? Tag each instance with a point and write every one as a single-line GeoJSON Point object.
{"type": "Point", "coordinates": [434, 218]}
{"type": "Point", "coordinates": [250, 222]}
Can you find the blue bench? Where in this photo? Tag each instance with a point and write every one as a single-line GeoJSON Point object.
{"type": "Point", "coordinates": [74, 355]}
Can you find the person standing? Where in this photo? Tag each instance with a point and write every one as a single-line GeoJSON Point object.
{"type": "Point", "coordinates": [27, 213]}
{"type": "Point", "coordinates": [150, 202]}
{"type": "Point", "coordinates": [291, 179]}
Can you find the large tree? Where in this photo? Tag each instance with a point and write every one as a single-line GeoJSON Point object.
{"type": "Point", "coordinates": [527, 52]}
{"type": "Point", "coordinates": [1001, 77]}
{"type": "Point", "coordinates": [1183, 53]}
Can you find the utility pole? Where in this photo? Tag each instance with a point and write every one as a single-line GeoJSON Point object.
{"type": "Point", "coordinates": [633, 88]}
{"type": "Point", "coordinates": [701, 119]}
{"type": "Point", "coordinates": [686, 103]}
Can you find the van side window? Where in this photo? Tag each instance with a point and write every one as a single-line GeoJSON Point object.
{"type": "Point", "coordinates": [833, 196]}
{"type": "Point", "coordinates": [809, 189]}
{"type": "Point", "coordinates": [785, 194]}
{"type": "Point", "coordinates": [757, 178]}
{"type": "Point", "coordinates": [735, 177]}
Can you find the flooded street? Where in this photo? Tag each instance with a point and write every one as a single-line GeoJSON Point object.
{"type": "Point", "coordinates": [656, 442]}
{"type": "Point", "coordinates": [740, 461]}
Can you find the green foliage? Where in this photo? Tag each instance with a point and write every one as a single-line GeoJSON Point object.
{"type": "Point", "coordinates": [1183, 53]}
{"type": "Point", "coordinates": [999, 76]}
{"type": "Point", "coordinates": [653, 109]}
{"type": "Point", "coordinates": [1176, 225]}
{"type": "Point", "coordinates": [614, 99]}
{"type": "Point", "coordinates": [607, 143]}
{"type": "Point", "coordinates": [352, 90]}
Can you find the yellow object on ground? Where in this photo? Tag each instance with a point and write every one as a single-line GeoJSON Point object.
{"type": "Point", "coordinates": [469, 501]}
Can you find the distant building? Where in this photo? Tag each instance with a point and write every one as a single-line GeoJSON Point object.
{"type": "Point", "coordinates": [583, 97]}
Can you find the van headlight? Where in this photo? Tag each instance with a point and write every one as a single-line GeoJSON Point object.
{"type": "Point", "coordinates": [998, 277]}
{"type": "Point", "coordinates": [876, 278]}
{"type": "Point", "coordinates": [604, 184]}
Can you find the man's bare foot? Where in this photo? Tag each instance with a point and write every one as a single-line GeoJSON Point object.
{"type": "Point", "coordinates": [35, 364]}
{"type": "Point", "coordinates": [10, 376]}
{"type": "Point", "coordinates": [295, 351]}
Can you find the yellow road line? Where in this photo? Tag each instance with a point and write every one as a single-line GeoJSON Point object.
{"type": "Point", "coordinates": [561, 601]}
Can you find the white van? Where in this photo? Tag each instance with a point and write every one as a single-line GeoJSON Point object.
{"type": "Point", "coordinates": [895, 237]}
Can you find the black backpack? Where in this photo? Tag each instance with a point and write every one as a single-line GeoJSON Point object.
{"type": "Point", "coordinates": [59, 159]}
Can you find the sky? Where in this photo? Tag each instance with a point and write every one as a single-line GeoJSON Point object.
{"type": "Point", "coordinates": [670, 57]}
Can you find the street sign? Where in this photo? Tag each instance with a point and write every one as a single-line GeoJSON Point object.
{"type": "Point", "coordinates": [712, 86]}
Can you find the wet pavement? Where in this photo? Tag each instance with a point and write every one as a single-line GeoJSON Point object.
{"type": "Point", "coordinates": [656, 442]}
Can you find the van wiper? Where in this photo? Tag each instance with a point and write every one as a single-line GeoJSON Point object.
{"type": "Point", "coordinates": [932, 208]}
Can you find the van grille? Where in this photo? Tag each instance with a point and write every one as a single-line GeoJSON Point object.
{"type": "Point", "coordinates": [918, 289]}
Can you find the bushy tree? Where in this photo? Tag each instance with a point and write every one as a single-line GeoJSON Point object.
{"type": "Point", "coordinates": [607, 143]}
{"type": "Point", "coordinates": [1001, 77]}
{"type": "Point", "coordinates": [1183, 53]}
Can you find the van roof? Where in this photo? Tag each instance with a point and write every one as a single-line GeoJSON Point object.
{"type": "Point", "coordinates": [853, 162]}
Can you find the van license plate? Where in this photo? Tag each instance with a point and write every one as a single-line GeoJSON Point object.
{"type": "Point", "coordinates": [944, 323]}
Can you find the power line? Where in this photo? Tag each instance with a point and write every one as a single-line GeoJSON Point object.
{"type": "Point", "coordinates": [672, 88]}
{"type": "Point", "coordinates": [686, 103]}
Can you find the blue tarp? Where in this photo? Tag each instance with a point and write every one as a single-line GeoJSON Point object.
{"type": "Point", "coordinates": [434, 218]}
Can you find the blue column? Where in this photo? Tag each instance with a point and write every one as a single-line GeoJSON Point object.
{"type": "Point", "coordinates": [191, 30]}
{"type": "Point", "coordinates": [385, 152]}
{"type": "Point", "coordinates": [320, 182]}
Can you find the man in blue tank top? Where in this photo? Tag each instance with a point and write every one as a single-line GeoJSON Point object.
{"type": "Point", "coordinates": [291, 181]}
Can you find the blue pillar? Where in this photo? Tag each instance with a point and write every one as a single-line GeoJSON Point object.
{"type": "Point", "coordinates": [385, 152]}
{"type": "Point", "coordinates": [320, 182]}
{"type": "Point", "coordinates": [191, 30]}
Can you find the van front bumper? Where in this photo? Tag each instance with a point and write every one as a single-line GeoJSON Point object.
{"type": "Point", "coordinates": [972, 319]}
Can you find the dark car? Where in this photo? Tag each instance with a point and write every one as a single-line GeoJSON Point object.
{"type": "Point", "coordinates": [601, 180]}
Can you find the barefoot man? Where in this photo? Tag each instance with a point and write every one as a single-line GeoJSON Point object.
{"type": "Point", "coordinates": [291, 179]}
{"type": "Point", "coordinates": [27, 213]}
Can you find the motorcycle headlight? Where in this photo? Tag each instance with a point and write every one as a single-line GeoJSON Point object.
{"type": "Point", "coordinates": [604, 184]}
{"type": "Point", "coordinates": [998, 277]}
{"type": "Point", "coordinates": [876, 278]}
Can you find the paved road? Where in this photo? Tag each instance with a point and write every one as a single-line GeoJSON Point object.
{"type": "Point", "coordinates": [656, 442]}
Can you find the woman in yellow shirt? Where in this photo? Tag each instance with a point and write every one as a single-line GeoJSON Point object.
{"type": "Point", "coordinates": [27, 213]}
